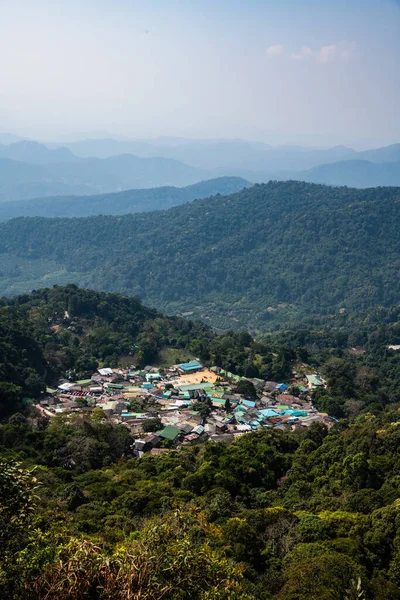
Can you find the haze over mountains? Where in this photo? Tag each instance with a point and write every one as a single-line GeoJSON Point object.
{"type": "Point", "coordinates": [29, 169]}
{"type": "Point", "coordinates": [119, 203]}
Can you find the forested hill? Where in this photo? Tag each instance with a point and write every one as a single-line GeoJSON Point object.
{"type": "Point", "coordinates": [269, 253]}
{"type": "Point", "coordinates": [130, 201]}
{"type": "Point", "coordinates": [67, 330]}
{"type": "Point", "coordinates": [274, 515]}
{"type": "Point", "coordinates": [355, 173]}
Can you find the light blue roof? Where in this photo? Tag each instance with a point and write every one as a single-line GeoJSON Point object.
{"type": "Point", "coordinates": [268, 412]}
{"type": "Point", "coordinates": [190, 366]}
{"type": "Point", "coordinates": [249, 403]}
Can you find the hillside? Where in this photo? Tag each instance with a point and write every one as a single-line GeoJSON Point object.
{"type": "Point", "coordinates": [383, 155]}
{"type": "Point", "coordinates": [216, 154]}
{"type": "Point", "coordinates": [62, 330]}
{"type": "Point", "coordinates": [31, 170]}
{"type": "Point", "coordinates": [24, 180]}
{"type": "Point", "coordinates": [266, 255]}
{"type": "Point", "coordinates": [32, 152]}
{"type": "Point", "coordinates": [355, 173]}
{"type": "Point", "coordinates": [279, 513]}
{"type": "Point", "coordinates": [130, 201]}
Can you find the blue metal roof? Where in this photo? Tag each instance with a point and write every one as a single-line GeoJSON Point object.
{"type": "Point", "coordinates": [268, 412]}
{"type": "Point", "coordinates": [249, 403]}
{"type": "Point", "coordinates": [190, 366]}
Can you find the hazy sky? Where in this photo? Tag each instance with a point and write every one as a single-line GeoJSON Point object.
{"type": "Point", "coordinates": [317, 71]}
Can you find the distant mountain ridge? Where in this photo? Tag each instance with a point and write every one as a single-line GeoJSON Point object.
{"type": "Point", "coordinates": [355, 173]}
{"type": "Point", "coordinates": [21, 180]}
{"type": "Point", "coordinates": [32, 152]}
{"type": "Point", "coordinates": [217, 154]}
{"type": "Point", "coordinates": [272, 252]}
{"type": "Point", "coordinates": [130, 201]}
{"type": "Point", "coordinates": [32, 170]}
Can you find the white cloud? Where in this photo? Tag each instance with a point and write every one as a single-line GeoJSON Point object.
{"type": "Point", "coordinates": [340, 51]}
{"type": "Point", "coordinates": [346, 49]}
{"type": "Point", "coordinates": [305, 52]}
{"type": "Point", "coordinates": [275, 50]}
{"type": "Point", "coordinates": [326, 54]}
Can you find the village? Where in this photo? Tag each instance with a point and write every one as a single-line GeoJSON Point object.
{"type": "Point", "coordinates": [188, 403]}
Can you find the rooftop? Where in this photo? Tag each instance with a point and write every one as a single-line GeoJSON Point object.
{"type": "Point", "coordinates": [169, 432]}
{"type": "Point", "coordinates": [190, 366]}
{"type": "Point", "coordinates": [314, 379]}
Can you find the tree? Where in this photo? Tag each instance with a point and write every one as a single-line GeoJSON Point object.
{"type": "Point", "coordinates": [246, 388]}
{"type": "Point", "coordinates": [10, 398]}
{"type": "Point", "coordinates": [98, 415]}
{"type": "Point", "coordinates": [149, 425]}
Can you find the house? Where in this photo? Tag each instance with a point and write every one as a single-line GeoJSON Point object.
{"type": "Point", "coordinates": [153, 377]}
{"type": "Point", "coordinates": [190, 367]}
{"type": "Point", "coordinates": [281, 387]}
{"type": "Point", "coordinates": [258, 383]}
{"type": "Point", "coordinates": [314, 381]}
{"type": "Point", "coordinates": [199, 429]}
{"type": "Point", "coordinates": [147, 386]}
{"type": "Point", "coordinates": [186, 428]}
{"type": "Point", "coordinates": [152, 441]}
{"type": "Point", "coordinates": [268, 413]}
{"type": "Point", "coordinates": [169, 433]}
{"type": "Point", "coordinates": [84, 382]}
{"type": "Point", "coordinates": [66, 387]}
{"type": "Point", "coordinates": [195, 387]}
{"type": "Point", "coordinates": [106, 372]}
{"type": "Point", "coordinates": [249, 403]}
{"type": "Point", "coordinates": [114, 386]}
{"type": "Point", "coordinates": [269, 386]}
{"type": "Point", "coordinates": [224, 437]}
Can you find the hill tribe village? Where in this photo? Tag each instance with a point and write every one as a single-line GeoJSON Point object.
{"type": "Point", "coordinates": [187, 403]}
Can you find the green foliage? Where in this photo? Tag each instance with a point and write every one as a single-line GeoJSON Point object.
{"type": "Point", "coordinates": [119, 203]}
{"type": "Point", "coordinates": [151, 424]}
{"type": "Point", "coordinates": [273, 515]}
{"type": "Point", "coordinates": [245, 259]}
{"type": "Point", "coordinates": [67, 331]}
{"type": "Point", "coordinates": [246, 388]}
{"type": "Point", "coordinates": [285, 515]}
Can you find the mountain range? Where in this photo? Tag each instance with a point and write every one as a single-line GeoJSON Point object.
{"type": "Point", "coordinates": [269, 254]}
{"type": "Point", "coordinates": [232, 154]}
{"type": "Point", "coordinates": [32, 170]}
{"type": "Point", "coordinates": [130, 201]}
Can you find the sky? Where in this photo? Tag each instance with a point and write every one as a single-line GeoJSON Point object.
{"type": "Point", "coordinates": [315, 72]}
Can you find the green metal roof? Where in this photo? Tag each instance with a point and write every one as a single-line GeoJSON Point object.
{"type": "Point", "coordinates": [195, 386]}
{"type": "Point", "coordinates": [314, 379]}
{"type": "Point", "coordinates": [169, 432]}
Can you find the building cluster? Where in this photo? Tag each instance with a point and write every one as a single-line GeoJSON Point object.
{"type": "Point", "coordinates": [188, 403]}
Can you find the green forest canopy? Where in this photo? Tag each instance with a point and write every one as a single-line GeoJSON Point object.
{"type": "Point", "coordinates": [273, 516]}
{"type": "Point", "coordinates": [119, 203]}
{"type": "Point", "coordinates": [39, 344]}
{"type": "Point", "coordinates": [273, 253]}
